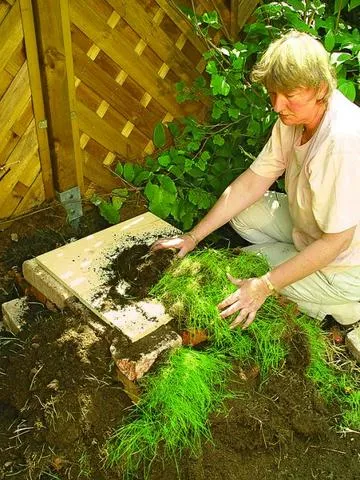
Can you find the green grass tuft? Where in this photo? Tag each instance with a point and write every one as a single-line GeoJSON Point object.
{"type": "Point", "coordinates": [193, 287]}
{"type": "Point", "coordinates": [333, 383]}
{"type": "Point", "coordinates": [172, 415]}
{"type": "Point", "coordinates": [174, 409]}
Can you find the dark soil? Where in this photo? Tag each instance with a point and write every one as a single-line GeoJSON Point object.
{"type": "Point", "coordinates": [59, 400]}
{"type": "Point", "coordinates": [139, 268]}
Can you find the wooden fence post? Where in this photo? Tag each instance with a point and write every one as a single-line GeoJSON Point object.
{"type": "Point", "coordinates": [53, 38]}
{"type": "Point", "coordinates": [243, 10]}
{"type": "Point", "coordinates": [37, 96]}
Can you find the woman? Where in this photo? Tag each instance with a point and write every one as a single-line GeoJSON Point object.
{"type": "Point", "coordinates": [311, 236]}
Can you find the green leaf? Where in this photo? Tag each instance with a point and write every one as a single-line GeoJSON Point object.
{"type": "Point", "coordinates": [253, 128]}
{"type": "Point", "coordinates": [151, 190]}
{"type": "Point", "coordinates": [96, 199]}
{"type": "Point", "coordinates": [164, 160]}
{"type": "Point", "coordinates": [195, 172]}
{"type": "Point", "coordinates": [354, 4]}
{"type": "Point", "coordinates": [120, 192]}
{"type": "Point", "coordinates": [117, 202]}
{"type": "Point", "coordinates": [220, 166]}
{"type": "Point", "coordinates": [339, 57]}
{"type": "Point", "coordinates": [167, 184]}
{"type": "Point", "coordinates": [176, 171]}
{"type": "Point", "coordinates": [141, 177]}
{"type": "Point", "coordinates": [202, 164]}
{"type": "Point", "coordinates": [109, 212]}
{"type": "Point", "coordinates": [119, 169]}
{"type": "Point", "coordinates": [296, 4]}
{"type": "Point", "coordinates": [200, 82]}
{"type": "Point", "coordinates": [339, 5]}
{"type": "Point", "coordinates": [174, 129]}
{"type": "Point", "coordinates": [347, 87]}
{"type": "Point", "coordinates": [160, 200]}
{"type": "Point", "coordinates": [298, 23]}
{"type": "Point", "coordinates": [329, 41]}
{"type": "Point", "coordinates": [188, 164]}
{"type": "Point", "coordinates": [242, 103]}
{"type": "Point", "coordinates": [193, 146]}
{"type": "Point", "coordinates": [218, 140]}
{"type": "Point", "coordinates": [159, 137]}
{"type": "Point", "coordinates": [162, 210]}
{"type": "Point", "coordinates": [200, 198]}
{"type": "Point", "coordinates": [212, 19]}
{"type": "Point", "coordinates": [239, 63]}
{"type": "Point", "coordinates": [219, 108]}
{"type": "Point", "coordinates": [179, 86]}
{"type": "Point", "coordinates": [233, 113]}
{"type": "Point", "coordinates": [219, 85]}
{"type": "Point", "coordinates": [205, 155]}
{"type": "Point", "coordinates": [129, 172]}
{"type": "Point", "coordinates": [211, 67]}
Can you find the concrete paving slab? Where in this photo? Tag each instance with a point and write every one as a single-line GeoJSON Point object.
{"type": "Point", "coordinates": [352, 342]}
{"type": "Point", "coordinates": [79, 267]}
{"type": "Point", "coordinates": [45, 283]}
{"type": "Point", "coordinates": [14, 313]}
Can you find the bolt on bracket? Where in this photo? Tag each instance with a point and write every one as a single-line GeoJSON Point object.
{"type": "Point", "coordinates": [71, 201]}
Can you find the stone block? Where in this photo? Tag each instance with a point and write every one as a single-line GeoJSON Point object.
{"type": "Point", "coordinates": [352, 342]}
{"type": "Point", "coordinates": [46, 284]}
{"type": "Point", "coordinates": [135, 359]}
{"type": "Point", "coordinates": [14, 313]}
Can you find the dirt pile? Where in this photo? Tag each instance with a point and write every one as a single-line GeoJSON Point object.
{"type": "Point", "coordinates": [59, 401]}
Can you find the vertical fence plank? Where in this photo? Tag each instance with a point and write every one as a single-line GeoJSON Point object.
{"type": "Point", "coordinates": [37, 95]}
{"type": "Point", "coordinates": [244, 10]}
{"type": "Point", "coordinates": [55, 55]}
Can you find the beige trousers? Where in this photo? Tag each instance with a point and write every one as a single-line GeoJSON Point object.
{"type": "Point", "coordinates": [267, 224]}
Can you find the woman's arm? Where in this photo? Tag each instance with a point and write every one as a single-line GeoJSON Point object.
{"type": "Point", "coordinates": [314, 257]}
{"type": "Point", "coordinates": [240, 194]}
{"type": "Point", "coordinates": [252, 293]}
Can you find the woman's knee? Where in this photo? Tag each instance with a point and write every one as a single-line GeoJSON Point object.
{"type": "Point", "coordinates": [267, 220]}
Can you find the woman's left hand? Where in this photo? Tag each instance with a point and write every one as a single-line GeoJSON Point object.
{"type": "Point", "coordinates": [247, 299]}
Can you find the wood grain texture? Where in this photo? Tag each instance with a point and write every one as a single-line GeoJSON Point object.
{"type": "Point", "coordinates": [101, 73]}
{"type": "Point", "coordinates": [55, 56]}
{"type": "Point", "coordinates": [11, 35]}
{"type": "Point", "coordinates": [27, 18]}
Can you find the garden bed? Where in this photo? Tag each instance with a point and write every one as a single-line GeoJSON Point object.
{"type": "Point", "coordinates": [59, 400]}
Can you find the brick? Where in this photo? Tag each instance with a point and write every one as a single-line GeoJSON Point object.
{"type": "Point", "coordinates": [134, 360]}
{"type": "Point", "coordinates": [46, 284]}
{"type": "Point", "coordinates": [193, 336]}
{"type": "Point", "coordinates": [14, 313]}
{"type": "Point", "coordinates": [352, 342]}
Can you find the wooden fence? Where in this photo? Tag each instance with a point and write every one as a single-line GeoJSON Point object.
{"type": "Point", "coordinates": [82, 84]}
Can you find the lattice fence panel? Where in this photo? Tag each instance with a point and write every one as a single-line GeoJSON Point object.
{"type": "Point", "coordinates": [21, 186]}
{"type": "Point", "coordinates": [128, 56]}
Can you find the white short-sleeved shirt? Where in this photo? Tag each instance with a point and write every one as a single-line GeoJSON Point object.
{"type": "Point", "coordinates": [322, 177]}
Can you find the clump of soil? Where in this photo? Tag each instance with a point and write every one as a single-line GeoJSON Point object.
{"type": "Point", "coordinates": [59, 399]}
{"type": "Point", "coordinates": [135, 270]}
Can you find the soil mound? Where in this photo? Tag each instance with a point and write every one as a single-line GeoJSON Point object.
{"type": "Point", "coordinates": [59, 401]}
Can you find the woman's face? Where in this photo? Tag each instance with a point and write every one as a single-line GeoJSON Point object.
{"type": "Point", "coordinates": [301, 106]}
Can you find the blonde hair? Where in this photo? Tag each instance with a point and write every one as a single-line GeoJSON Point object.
{"type": "Point", "coordinates": [295, 60]}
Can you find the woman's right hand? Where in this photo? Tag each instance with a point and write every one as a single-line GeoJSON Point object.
{"type": "Point", "coordinates": [184, 243]}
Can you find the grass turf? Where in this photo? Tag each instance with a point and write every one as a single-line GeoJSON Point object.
{"type": "Point", "coordinates": [172, 415]}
